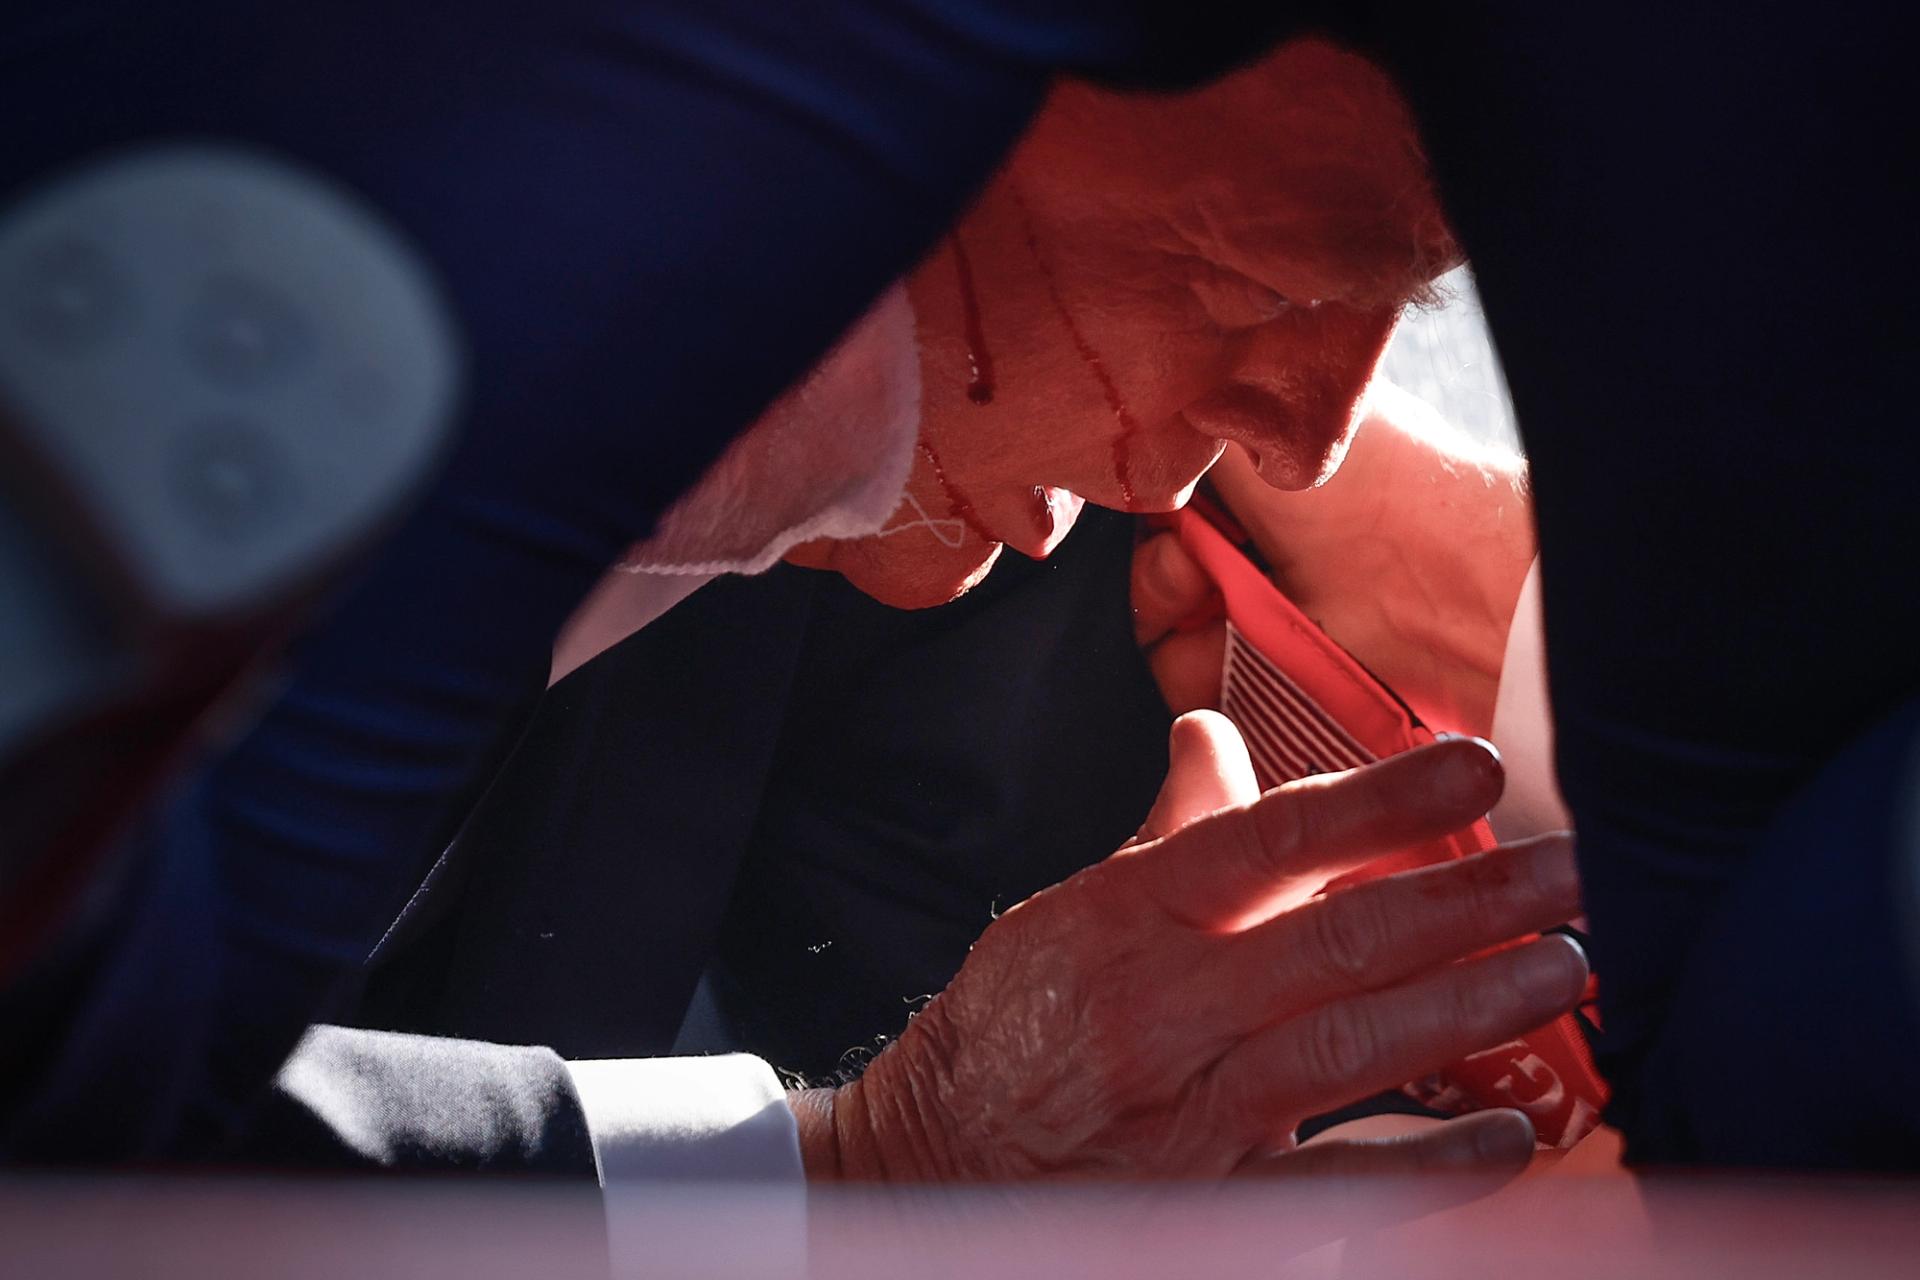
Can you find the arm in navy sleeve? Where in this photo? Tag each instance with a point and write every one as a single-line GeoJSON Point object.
{"type": "Point", "coordinates": [1690, 235]}
{"type": "Point", "coordinates": [647, 218]}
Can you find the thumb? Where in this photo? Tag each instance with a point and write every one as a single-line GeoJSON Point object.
{"type": "Point", "coordinates": [1207, 771]}
{"type": "Point", "coordinates": [1166, 586]}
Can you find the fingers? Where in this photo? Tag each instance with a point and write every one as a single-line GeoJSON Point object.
{"type": "Point", "coordinates": [1347, 1049]}
{"type": "Point", "coordinates": [1497, 1143]}
{"type": "Point", "coordinates": [1187, 665]}
{"type": "Point", "coordinates": [1244, 864]}
{"type": "Point", "coordinates": [1441, 1167]}
{"type": "Point", "coordinates": [1167, 587]}
{"type": "Point", "coordinates": [1207, 770]}
{"type": "Point", "coordinates": [1384, 932]}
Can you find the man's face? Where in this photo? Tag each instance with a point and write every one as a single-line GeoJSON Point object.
{"type": "Point", "coordinates": [1148, 278]}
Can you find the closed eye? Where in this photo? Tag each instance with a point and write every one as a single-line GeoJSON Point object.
{"type": "Point", "coordinates": [1232, 301]}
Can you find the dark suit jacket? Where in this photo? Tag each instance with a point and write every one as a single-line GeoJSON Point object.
{"type": "Point", "coordinates": [817, 801]}
{"type": "Point", "coordinates": [820, 799]}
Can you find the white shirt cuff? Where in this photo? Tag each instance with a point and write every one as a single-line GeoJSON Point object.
{"type": "Point", "coordinates": [663, 1131]}
{"type": "Point", "coordinates": [722, 1118]}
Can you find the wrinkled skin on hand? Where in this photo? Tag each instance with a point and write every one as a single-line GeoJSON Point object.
{"type": "Point", "coordinates": [1178, 1009]}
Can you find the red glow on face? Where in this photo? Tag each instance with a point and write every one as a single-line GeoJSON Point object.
{"type": "Point", "coordinates": [1137, 286]}
{"type": "Point", "coordinates": [1129, 426]}
{"type": "Point", "coordinates": [979, 358]}
{"type": "Point", "coordinates": [958, 505]}
{"type": "Point", "coordinates": [1295, 390]}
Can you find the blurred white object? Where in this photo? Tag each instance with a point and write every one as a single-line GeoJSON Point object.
{"type": "Point", "coordinates": [1445, 356]}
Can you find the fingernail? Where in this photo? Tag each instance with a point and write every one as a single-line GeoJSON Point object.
{"type": "Point", "coordinates": [1549, 973]}
{"type": "Point", "coordinates": [1468, 773]}
{"type": "Point", "coordinates": [1556, 876]}
{"type": "Point", "coordinates": [1510, 1140]}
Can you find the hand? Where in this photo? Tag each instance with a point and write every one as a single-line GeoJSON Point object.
{"type": "Point", "coordinates": [1176, 1010]}
{"type": "Point", "coordinates": [1167, 585]}
{"type": "Point", "coordinates": [1411, 556]}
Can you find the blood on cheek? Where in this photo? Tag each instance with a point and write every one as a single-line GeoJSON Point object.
{"type": "Point", "coordinates": [961, 508]}
{"type": "Point", "coordinates": [1129, 425]}
{"type": "Point", "coordinates": [980, 389]}
{"type": "Point", "coordinates": [958, 505]}
{"type": "Point", "coordinates": [979, 359]}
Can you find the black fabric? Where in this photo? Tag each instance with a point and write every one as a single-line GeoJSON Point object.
{"type": "Point", "coordinates": [1687, 231]}
{"type": "Point", "coordinates": [1838, 1088]}
{"type": "Point", "coordinates": [935, 767]}
{"type": "Point", "coordinates": [583, 897]}
{"type": "Point", "coordinates": [873, 780]}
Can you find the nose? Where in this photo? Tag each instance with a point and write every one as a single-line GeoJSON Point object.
{"type": "Point", "coordinates": [1293, 389]}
